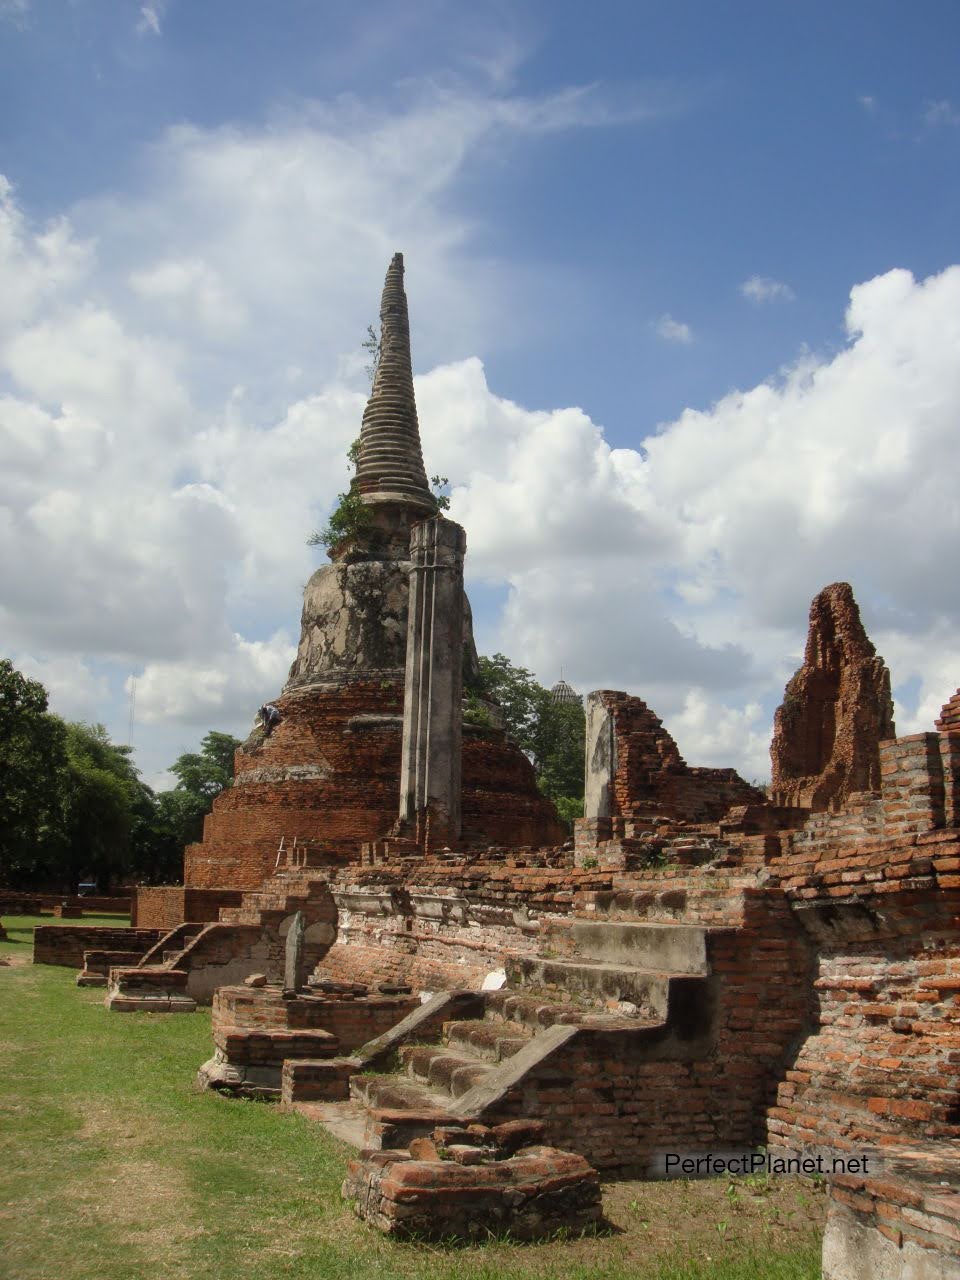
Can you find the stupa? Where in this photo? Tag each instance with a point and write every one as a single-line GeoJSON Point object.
{"type": "Point", "coordinates": [323, 767]}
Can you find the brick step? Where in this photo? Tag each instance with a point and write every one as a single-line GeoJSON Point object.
{"type": "Point", "coordinates": [435, 1066]}
{"type": "Point", "coordinates": [396, 1093]}
{"type": "Point", "coordinates": [491, 1041]}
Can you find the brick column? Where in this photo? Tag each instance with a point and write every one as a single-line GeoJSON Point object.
{"type": "Point", "coordinates": [911, 778]}
{"type": "Point", "coordinates": [949, 726]}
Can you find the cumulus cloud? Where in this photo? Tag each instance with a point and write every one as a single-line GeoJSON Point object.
{"type": "Point", "coordinates": [689, 565]}
{"type": "Point", "coordinates": [191, 289]}
{"type": "Point", "coordinates": [671, 330]}
{"type": "Point", "coordinates": [228, 689]}
{"type": "Point", "coordinates": [760, 289]}
{"type": "Point", "coordinates": [154, 511]}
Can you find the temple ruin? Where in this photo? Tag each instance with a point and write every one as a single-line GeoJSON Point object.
{"type": "Point", "coordinates": [489, 1009]}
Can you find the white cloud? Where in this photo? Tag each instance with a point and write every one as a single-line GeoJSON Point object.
{"type": "Point", "coordinates": [760, 289]}
{"type": "Point", "coordinates": [227, 686]}
{"type": "Point", "coordinates": [192, 291]}
{"type": "Point", "coordinates": [76, 692]}
{"type": "Point", "coordinates": [153, 511]}
{"type": "Point", "coordinates": [868, 102]}
{"type": "Point", "coordinates": [150, 17]}
{"type": "Point", "coordinates": [942, 112]}
{"type": "Point", "coordinates": [673, 330]}
{"type": "Point", "coordinates": [15, 11]}
{"type": "Point", "coordinates": [690, 566]}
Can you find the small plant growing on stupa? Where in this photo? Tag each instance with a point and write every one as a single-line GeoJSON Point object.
{"type": "Point", "coordinates": [350, 517]}
{"type": "Point", "coordinates": [439, 484]}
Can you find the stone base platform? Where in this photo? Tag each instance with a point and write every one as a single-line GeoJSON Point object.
{"type": "Point", "coordinates": [149, 989]}
{"type": "Point", "coordinates": [475, 1182]}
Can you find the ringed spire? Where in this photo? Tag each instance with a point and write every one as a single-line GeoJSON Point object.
{"type": "Point", "coordinates": [390, 458]}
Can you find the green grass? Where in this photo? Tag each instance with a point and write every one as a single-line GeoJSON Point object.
{"type": "Point", "coordinates": [114, 1166]}
{"type": "Point", "coordinates": [24, 925]}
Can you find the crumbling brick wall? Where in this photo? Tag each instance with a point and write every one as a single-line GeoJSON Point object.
{"type": "Point", "coordinates": [64, 944]}
{"type": "Point", "coordinates": [648, 778]}
{"type": "Point", "coordinates": [329, 772]}
{"type": "Point", "coordinates": [836, 710]}
{"type": "Point", "coordinates": [878, 890]}
{"type": "Point", "coordinates": [166, 906]}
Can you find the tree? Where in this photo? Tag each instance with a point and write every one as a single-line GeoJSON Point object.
{"type": "Point", "coordinates": [201, 776]}
{"type": "Point", "coordinates": [32, 765]}
{"type": "Point", "coordinates": [551, 733]}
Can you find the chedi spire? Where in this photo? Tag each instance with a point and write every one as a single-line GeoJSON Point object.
{"type": "Point", "coordinates": [390, 461]}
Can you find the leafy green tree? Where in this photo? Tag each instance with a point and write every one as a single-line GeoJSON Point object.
{"type": "Point", "coordinates": [73, 805]}
{"type": "Point", "coordinates": [99, 794]}
{"type": "Point", "coordinates": [32, 765]}
{"type": "Point", "coordinates": [201, 776]}
{"type": "Point", "coordinates": [551, 733]}
{"type": "Point", "coordinates": [559, 742]}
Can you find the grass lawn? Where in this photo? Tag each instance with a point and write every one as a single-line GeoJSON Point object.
{"type": "Point", "coordinates": [113, 1166]}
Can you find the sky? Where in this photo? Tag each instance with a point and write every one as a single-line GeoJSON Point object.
{"type": "Point", "coordinates": [685, 307]}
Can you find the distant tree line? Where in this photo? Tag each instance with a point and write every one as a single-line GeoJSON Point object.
{"type": "Point", "coordinates": [551, 733]}
{"type": "Point", "coordinates": [73, 806]}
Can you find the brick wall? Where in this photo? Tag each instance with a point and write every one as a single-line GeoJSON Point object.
{"type": "Point", "coordinates": [877, 888]}
{"type": "Point", "coordinates": [64, 944]}
{"type": "Point", "coordinates": [330, 773]}
{"type": "Point", "coordinates": [166, 906]}
{"type": "Point", "coordinates": [623, 1099]}
{"type": "Point", "coordinates": [353, 1022]}
{"type": "Point", "coordinates": [651, 779]}
{"type": "Point", "coordinates": [885, 1060]}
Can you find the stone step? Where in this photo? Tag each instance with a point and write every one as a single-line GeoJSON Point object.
{"type": "Point", "coordinates": [395, 1093]}
{"type": "Point", "coordinates": [528, 1011]}
{"type": "Point", "coordinates": [661, 946]}
{"type": "Point", "coordinates": [590, 981]}
{"type": "Point", "coordinates": [491, 1041]}
{"type": "Point", "coordinates": [442, 1070]}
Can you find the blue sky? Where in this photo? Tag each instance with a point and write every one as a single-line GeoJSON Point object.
{"type": "Point", "coordinates": [655, 213]}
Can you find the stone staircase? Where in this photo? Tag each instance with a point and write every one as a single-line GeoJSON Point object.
{"type": "Point", "coordinates": [190, 962]}
{"type": "Point", "coordinates": [528, 1049]}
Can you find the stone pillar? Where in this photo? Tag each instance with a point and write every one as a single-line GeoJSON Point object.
{"type": "Point", "coordinates": [600, 763]}
{"type": "Point", "coordinates": [432, 711]}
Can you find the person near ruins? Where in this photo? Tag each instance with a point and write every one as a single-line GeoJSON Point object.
{"type": "Point", "coordinates": [269, 715]}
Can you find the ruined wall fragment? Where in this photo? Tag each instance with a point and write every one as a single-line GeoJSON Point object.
{"type": "Point", "coordinates": [836, 711]}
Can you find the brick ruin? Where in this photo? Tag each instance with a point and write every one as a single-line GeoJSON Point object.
{"type": "Point", "coordinates": [835, 710]}
{"type": "Point", "coordinates": [329, 770]}
{"type": "Point", "coordinates": [702, 967]}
